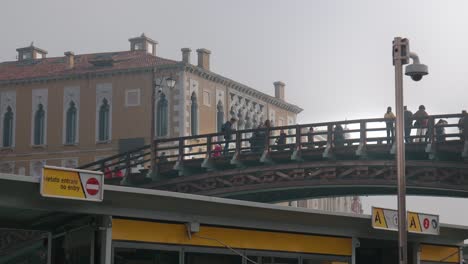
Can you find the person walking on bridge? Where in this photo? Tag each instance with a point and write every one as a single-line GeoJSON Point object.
{"type": "Point", "coordinates": [338, 136]}
{"type": "Point", "coordinates": [281, 140]}
{"type": "Point", "coordinates": [389, 121]}
{"type": "Point", "coordinates": [408, 118]}
{"type": "Point", "coordinates": [421, 123]}
{"type": "Point", "coordinates": [228, 130]}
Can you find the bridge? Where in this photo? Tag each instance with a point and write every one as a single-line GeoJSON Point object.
{"type": "Point", "coordinates": [316, 160]}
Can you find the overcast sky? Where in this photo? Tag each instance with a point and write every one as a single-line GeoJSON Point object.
{"type": "Point", "coordinates": [334, 56]}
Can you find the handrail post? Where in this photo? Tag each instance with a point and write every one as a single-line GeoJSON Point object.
{"type": "Point", "coordinates": [154, 157]}
{"type": "Point", "coordinates": [328, 153]}
{"type": "Point", "coordinates": [298, 137]}
{"type": "Point", "coordinates": [127, 164]}
{"type": "Point", "coordinates": [181, 149]}
{"type": "Point", "coordinates": [431, 130]}
{"type": "Point", "coordinates": [103, 167]}
{"type": "Point", "coordinates": [363, 132]}
{"type": "Point", "coordinates": [209, 146]}
{"type": "Point", "coordinates": [330, 135]}
{"type": "Point", "coordinates": [267, 139]}
{"type": "Point", "coordinates": [361, 151]}
{"type": "Point", "coordinates": [238, 143]}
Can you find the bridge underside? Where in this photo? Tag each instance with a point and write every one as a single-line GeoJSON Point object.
{"type": "Point", "coordinates": [293, 181]}
{"type": "Point", "coordinates": [302, 193]}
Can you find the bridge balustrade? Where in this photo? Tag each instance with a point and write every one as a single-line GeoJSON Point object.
{"type": "Point", "coordinates": [172, 154]}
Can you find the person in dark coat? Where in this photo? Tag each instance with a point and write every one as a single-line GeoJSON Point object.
{"type": "Point", "coordinates": [338, 136]}
{"type": "Point", "coordinates": [421, 122]}
{"type": "Point", "coordinates": [228, 131]}
{"type": "Point", "coordinates": [257, 139]}
{"type": "Point", "coordinates": [440, 130]}
{"type": "Point", "coordinates": [281, 140]}
{"type": "Point", "coordinates": [310, 137]}
{"type": "Point", "coordinates": [408, 120]}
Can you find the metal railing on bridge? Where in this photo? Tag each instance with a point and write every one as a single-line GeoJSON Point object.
{"type": "Point", "coordinates": [323, 138]}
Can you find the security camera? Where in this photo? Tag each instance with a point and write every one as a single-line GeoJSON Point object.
{"type": "Point", "coordinates": [416, 70]}
{"type": "Point", "coordinates": [160, 90]}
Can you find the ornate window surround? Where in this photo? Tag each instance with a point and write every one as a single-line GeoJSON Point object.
{"type": "Point", "coordinates": [71, 94]}
{"type": "Point", "coordinates": [39, 96]}
{"type": "Point", "coordinates": [8, 99]}
{"type": "Point", "coordinates": [103, 91]}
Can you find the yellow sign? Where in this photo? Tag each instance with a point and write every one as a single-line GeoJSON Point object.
{"type": "Point", "coordinates": [387, 219]}
{"type": "Point", "coordinates": [413, 223]}
{"type": "Point", "coordinates": [384, 219]}
{"type": "Point", "coordinates": [72, 184]}
{"type": "Point", "coordinates": [378, 218]}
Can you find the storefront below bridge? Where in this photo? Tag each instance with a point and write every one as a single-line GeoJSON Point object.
{"type": "Point", "coordinates": [138, 226]}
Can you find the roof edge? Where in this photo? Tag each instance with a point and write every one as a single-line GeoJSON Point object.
{"type": "Point", "coordinates": [243, 88]}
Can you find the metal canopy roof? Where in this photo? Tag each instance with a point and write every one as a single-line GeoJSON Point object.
{"type": "Point", "coordinates": [22, 206]}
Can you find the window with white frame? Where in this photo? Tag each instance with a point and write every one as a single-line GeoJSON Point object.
{"type": "Point", "coordinates": [39, 117]}
{"type": "Point", "coordinates": [27, 55]}
{"type": "Point", "coordinates": [132, 97]}
{"type": "Point", "coordinates": [104, 120]}
{"type": "Point", "coordinates": [103, 112]}
{"type": "Point", "coordinates": [194, 114]}
{"type": "Point", "coordinates": [70, 124]}
{"type": "Point", "coordinates": [206, 98]}
{"type": "Point", "coordinates": [162, 116]}
{"type": "Point", "coordinates": [39, 125]}
{"type": "Point", "coordinates": [139, 46]}
{"type": "Point", "coordinates": [71, 115]}
{"type": "Point", "coordinates": [7, 118]}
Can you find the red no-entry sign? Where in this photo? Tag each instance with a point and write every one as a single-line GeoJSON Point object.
{"type": "Point", "coordinates": [92, 186]}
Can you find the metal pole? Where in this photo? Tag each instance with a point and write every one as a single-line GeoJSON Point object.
{"type": "Point", "coordinates": [152, 133]}
{"type": "Point", "coordinates": [400, 153]}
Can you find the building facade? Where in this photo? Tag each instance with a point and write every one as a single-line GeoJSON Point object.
{"type": "Point", "coordinates": [76, 109]}
{"type": "Point", "coordinates": [346, 204]}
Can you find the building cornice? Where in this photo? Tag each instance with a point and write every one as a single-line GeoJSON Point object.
{"type": "Point", "coordinates": [241, 88]}
{"type": "Point", "coordinates": [76, 76]}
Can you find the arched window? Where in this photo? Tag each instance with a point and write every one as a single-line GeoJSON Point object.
{"type": "Point", "coordinates": [39, 125]}
{"type": "Point", "coordinates": [162, 116]}
{"type": "Point", "coordinates": [219, 115]}
{"type": "Point", "coordinates": [104, 120]}
{"type": "Point", "coordinates": [8, 128]}
{"type": "Point", "coordinates": [194, 114]}
{"type": "Point", "coordinates": [71, 122]}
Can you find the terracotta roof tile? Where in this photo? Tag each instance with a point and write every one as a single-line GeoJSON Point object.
{"type": "Point", "coordinates": [55, 67]}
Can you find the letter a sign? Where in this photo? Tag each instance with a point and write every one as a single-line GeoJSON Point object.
{"type": "Point", "coordinates": [387, 219]}
{"type": "Point", "coordinates": [384, 219]}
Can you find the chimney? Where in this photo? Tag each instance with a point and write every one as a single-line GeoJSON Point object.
{"type": "Point", "coordinates": [31, 52]}
{"type": "Point", "coordinates": [70, 59]}
{"type": "Point", "coordinates": [204, 59]}
{"type": "Point", "coordinates": [279, 90]}
{"type": "Point", "coordinates": [186, 55]}
{"type": "Point", "coordinates": [143, 43]}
